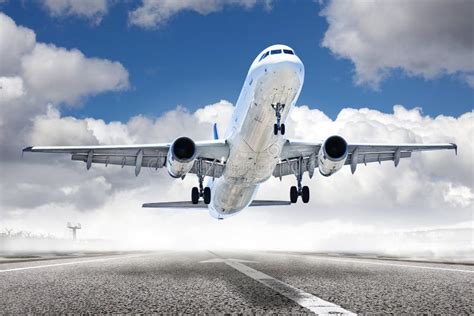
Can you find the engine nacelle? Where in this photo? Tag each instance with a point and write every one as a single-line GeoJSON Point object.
{"type": "Point", "coordinates": [180, 158]}
{"type": "Point", "coordinates": [332, 155]}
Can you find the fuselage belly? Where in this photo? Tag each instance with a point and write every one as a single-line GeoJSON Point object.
{"type": "Point", "coordinates": [254, 148]}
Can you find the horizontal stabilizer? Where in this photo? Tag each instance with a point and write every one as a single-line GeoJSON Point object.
{"type": "Point", "coordinates": [177, 204]}
{"type": "Point", "coordinates": [269, 203]}
{"type": "Point", "coordinates": [189, 204]}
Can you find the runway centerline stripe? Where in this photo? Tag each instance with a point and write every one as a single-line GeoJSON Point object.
{"type": "Point", "coordinates": [307, 300]}
{"type": "Point", "coordinates": [68, 263]}
{"type": "Point", "coordinates": [391, 264]}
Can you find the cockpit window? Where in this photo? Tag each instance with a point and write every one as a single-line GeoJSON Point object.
{"type": "Point", "coordinates": [263, 56]}
{"type": "Point", "coordinates": [288, 51]}
{"type": "Point", "coordinates": [275, 51]}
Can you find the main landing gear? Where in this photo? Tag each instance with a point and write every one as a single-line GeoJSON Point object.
{"type": "Point", "coordinates": [299, 190]}
{"type": "Point", "coordinates": [205, 193]}
{"type": "Point", "coordinates": [278, 126]}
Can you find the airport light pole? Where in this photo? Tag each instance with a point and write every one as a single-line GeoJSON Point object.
{"type": "Point", "coordinates": [74, 228]}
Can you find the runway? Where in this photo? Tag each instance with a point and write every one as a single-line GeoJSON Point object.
{"type": "Point", "coordinates": [234, 282]}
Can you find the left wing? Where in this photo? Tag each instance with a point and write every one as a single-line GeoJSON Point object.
{"type": "Point", "coordinates": [300, 156]}
{"type": "Point", "coordinates": [209, 155]}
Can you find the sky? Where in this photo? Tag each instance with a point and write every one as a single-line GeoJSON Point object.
{"type": "Point", "coordinates": [194, 59]}
{"type": "Point", "coordinates": [110, 72]}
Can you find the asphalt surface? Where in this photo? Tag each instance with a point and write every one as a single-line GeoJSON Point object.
{"type": "Point", "coordinates": [178, 282]}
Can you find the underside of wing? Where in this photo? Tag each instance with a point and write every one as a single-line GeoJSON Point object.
{"type": "Point", "coordinates": [209, 155]}
{"type": "Point", "coordinates": [298, 157]}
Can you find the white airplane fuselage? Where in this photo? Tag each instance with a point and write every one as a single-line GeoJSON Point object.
{"type": "Point", "coordinates": [254, 148]}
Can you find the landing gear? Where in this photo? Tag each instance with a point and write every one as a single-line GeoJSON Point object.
{"type": "Point", "coordinates": [205, 193]}
{"type": "Point", "coordinates": [299, 190]}
{"type": "Point", "coordinates": [195, 195]}
{"type": "Point", "coordinates": [293, 194]}
{"type": "Point", "coordinates": [278, 126]}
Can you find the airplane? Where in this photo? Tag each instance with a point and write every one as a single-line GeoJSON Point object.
{"type": "Point", "coordinates": [253, 149]}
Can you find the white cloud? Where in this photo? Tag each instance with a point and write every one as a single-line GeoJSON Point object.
{"type": "Point", "coordinates": [153, 13]}
{"type": "Point", "coordinates": [90, 9]}
{"type": "Point", "coordinates": [421, 38]}
{"type": "Point", "coordinates": [61, 75]}
{"type": "Point", "coordinates": [429, 190]}
{"type": "Point", "coordinates": [11, 88]}
{"type": "Point", "coordinates": [33, 74]}
{"type": "Point", "coordinates": [15, 42]}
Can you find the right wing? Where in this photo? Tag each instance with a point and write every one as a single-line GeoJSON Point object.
{"type": "Point", "coordinates": [209, 155]}
{"type": "Point", "coordinates": [301, 156]}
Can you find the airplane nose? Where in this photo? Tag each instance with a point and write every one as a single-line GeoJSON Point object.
{"type": "Point", "coordinates": [288, 68]}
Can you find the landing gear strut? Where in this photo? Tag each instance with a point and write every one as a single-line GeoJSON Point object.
{"type": "Point", "coordinates": [204, 192]}
{"type": "Point", "coordinates": [299, 190]}
{"type": "Point", "coordinates": [278, 126]}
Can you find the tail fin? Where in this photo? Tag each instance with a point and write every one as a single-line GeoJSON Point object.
{"type": "Point", "coordinates": [214, 130]}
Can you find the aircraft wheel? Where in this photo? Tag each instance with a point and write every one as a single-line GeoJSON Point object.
{"type": "Point", "coordinates": [207, 195]}
{"type": "Point", "coordinates": [275, 129]}
{"type": "Point", "coordinates": [305, 194]}
{"type": "Point", "coordinates": [195, 195]}
{"type": "Point", "coordinates": [293, 194]}
{"type": "Point", "coordinates": [282, 129]}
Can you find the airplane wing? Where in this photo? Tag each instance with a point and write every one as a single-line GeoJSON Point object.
{"type": "Point", "coordinates": [208, 155]}
{"type": "Point", "coordinates": [296, 154]}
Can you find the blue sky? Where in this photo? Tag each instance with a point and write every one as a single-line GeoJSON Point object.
{"type": "Point", "coordinates": [195, 59]}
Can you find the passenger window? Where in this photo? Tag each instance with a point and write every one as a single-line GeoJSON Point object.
{"type": "Point", "coordinates": [263, 56]}
{"type": "Point", "coordinates": [275, 51]}
{"type": "Point", "coordinates": [288, 51]}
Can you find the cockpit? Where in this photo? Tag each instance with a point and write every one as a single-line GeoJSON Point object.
{"type": "Point", "coordinates": [275, 52]}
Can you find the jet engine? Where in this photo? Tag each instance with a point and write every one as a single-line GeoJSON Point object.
{"type": "Point", "coordinates": [180, 158]}
{"type": "Point", "coordinates": [332, 155]}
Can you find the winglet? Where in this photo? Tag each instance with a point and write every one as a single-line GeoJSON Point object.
{"type": "Point", "coordinates": [455, 148]}
{"type": "Point", "coordinates": [214, 130]}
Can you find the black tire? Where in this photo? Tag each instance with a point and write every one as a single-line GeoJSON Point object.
{"type": "Point", "coordinates": [282, 129]}
{"type": "Point", "coordinates": [195, 195]}
{"type": "Point", "coordinates": [275, 129]}
{"type": "Point", "coordinates": [305, 194]}
{"type": "Point", "coordinates": [207, 195]}
{"type": "Point", "coordinates": [293, 194]}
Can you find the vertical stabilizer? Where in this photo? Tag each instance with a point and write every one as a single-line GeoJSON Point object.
{"type": "Point", "coordinates": [214, 130]}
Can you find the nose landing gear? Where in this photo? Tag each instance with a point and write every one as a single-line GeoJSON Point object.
{"type": "Point", "coordinates": [278, 107]}
{"type": "Point", "coordinates": [204, 192]}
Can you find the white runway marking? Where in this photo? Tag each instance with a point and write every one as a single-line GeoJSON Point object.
{"type": "Point", "coordinates": [68, 263]}
{"type": "Point", "coordinates": [390, 264]}
{"type": "Point", "coordinates": [307, 300]}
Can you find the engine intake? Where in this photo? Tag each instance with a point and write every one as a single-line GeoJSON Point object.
{"type": "Point", "coordinates": [181, 156]}
{"type": "Point", "coordinates": [332, 155]}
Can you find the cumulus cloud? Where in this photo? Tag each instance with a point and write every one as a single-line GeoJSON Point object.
{"type": "Point", "coordinates": [153, 13]}
{"type": "Point", "coordinates": [421, 38]}
{"type": "Point", "coordinates": [90, 9]}
{"type": "Point", "coordinates": [15, 42]}
{"type": "Point", "coordinates": [34, 74]}
{"type": "Point", "coordinates": [62, 75]}
{"type": "Point", "coordinates": [429, 190]}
